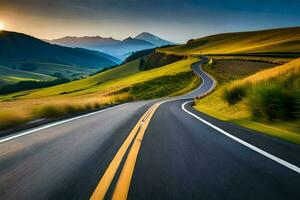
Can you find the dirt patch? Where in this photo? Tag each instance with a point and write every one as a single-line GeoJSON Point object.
{"type": "Point", "coordinates": [240, 68]}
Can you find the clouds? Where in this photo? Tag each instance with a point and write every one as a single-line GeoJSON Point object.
{"type": "Point", "coordinates": [173, 19]}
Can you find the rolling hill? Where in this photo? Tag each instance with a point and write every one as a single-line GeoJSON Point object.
{"type": "Point", "coordinates": [20, 47]}
{"type": "Point", "coordinates": [10, 76]}
{"type": "Point", "coordinates": [272, 41]}
{"type": "Point", "coordinates": [50, 69]}
{"type": "Point", "coordinates": [82, 86]}
{"type": "Point", "coordinates": [124, 83]}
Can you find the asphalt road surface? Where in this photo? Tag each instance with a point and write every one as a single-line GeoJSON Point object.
{"type": "Point", "coordinates": [158, 149]}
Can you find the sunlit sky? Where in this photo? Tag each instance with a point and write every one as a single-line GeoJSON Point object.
{"type": "Point", "coordinates": [175, 20]}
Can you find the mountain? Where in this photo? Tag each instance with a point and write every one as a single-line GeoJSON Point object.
{"type": "Point", "coordinates": [116, 48]}
{"type": "Point", "coordinates": [20, 47]}
{"type": "Point", "coordinates": [95, 43]}
{"type": "Point", "coordinates": [283, 40]}
{"type": "Point", "coordinates": [148, 37]}
{"type": "Point", "coordinates": [130, 45]}
{"type": "Point", "coordinates": [107, 56]}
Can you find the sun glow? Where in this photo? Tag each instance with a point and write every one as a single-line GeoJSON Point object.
{"type": "Point", "coordinates": [1, 26]}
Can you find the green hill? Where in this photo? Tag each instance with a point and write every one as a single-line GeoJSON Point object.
{"type": "Point", "coordinates": [51, 69]}
{"type": "Point", "coordinates": [104, 83]}
{"type": "Point", "coordinates": [273, 41]}
{"type": "Point", "coordinates": [267, 101]}
{"type": "Point", "coordinates": [86, 83]}
{"type": "Point", "coordinates": [20, 47]}
{"type": "Point", "coordinates": [10, 76]}
{"type": "Point", "coordinates": [121, 84]}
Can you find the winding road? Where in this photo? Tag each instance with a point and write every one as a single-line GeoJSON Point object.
{"type": "Point", "coordinates": [158, 149]}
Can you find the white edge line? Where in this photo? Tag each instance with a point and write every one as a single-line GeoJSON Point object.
{"type": "Point", "coordinates": [17, 135]}
{"type": "Point", "coordinates": [254, 148]}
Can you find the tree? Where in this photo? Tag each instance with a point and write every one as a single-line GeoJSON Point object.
{"type": "Point", "coordinates": [142, 64]}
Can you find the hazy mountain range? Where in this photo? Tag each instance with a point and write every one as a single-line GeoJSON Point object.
{"type": "Point", "coordinates": [23, 58]}
{"type": "Point", "coordinates": [69, 57]}
{"type": "Point", "coordinates": [20, 47]}
{"type": "Point", "coordinates": [117, 48]}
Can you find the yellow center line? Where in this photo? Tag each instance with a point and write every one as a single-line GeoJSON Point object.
{"type": "Point", "coordinates": [123, 184]}
{"type": "Point", "coordinates": [110, 172]}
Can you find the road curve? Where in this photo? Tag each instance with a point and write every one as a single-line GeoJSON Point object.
{"type": "Point", "coordinates": [179, 156]}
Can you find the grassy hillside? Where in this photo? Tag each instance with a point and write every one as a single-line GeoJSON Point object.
{"type": "Point", "coordinates": [125, 83]}
{"type": "Point", "coordinates": [84, 86]}
{"type": "Point", "coordinates": [284, 40]}
{"type": "Point", "coordinates": [51, 69]}
{"type": "Point", "coordinates": [229, 70]}
{"type": "Point", "coordinates": [108, 81]}
{"type": "Point", "coordinates": [278, 59]}
{"type": "Point", "coordinates": [268, 101]}
{"type": "Point", "coordinates": [11, 76]}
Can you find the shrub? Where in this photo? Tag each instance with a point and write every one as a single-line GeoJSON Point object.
{"type": "Point", "coordinates": [234, 93]}
{"type": "Point", "coordinates": [71, 109]}
{"type": "Point", "coordinates": [271, 101]}
{"type": "Point", "coordinates": [12, 119]}
{"type": "Point", "coordinates": [97, 105]}
{"type": "Point", "coordinates": [49, 112]}
{"type": "Point", "coordinates": [88, 106]}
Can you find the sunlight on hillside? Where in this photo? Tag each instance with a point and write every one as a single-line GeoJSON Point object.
{"type": "Point", "coordinates": [277, 40]}
{"type": "Point", "coordinates": [86, 94]}
{"type": "Point", "coordinates": [266, 101]}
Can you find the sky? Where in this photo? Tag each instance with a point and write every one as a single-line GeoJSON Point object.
{"type": "Point", "coordinates": [174, 20]}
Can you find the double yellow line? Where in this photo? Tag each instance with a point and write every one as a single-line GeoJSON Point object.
{"type": "Point", "coordinates": [123, 184]}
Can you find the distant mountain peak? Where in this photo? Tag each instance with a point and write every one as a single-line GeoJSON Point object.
{"type": "Point", "coordinates": [145, 34]}
{"type": "Point", "coordinates": [149, 37]}
{"type": "Point", "coordinates": [135, 41]}
{"type": "Point", "coordinates": [128, 38]}
{"type": "Point", "coordinates": [144, 40]}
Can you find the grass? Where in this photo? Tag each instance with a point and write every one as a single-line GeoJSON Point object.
{"type": "Point", "coordinates": [99, 90]}
{"type": "Point", "coordinates": [279, 59]}
{"type": "Point", "coordinates": [11, 76]}
{"type": "Point", "coordinates": [284, 40]}
{"type": "Point", "coordinates": [67, 71]}
{"type": "Point", "coordinates": [267, 101]}
{"type": "Point", "coordinates": [81, 86]}
{"type": "Point", "coordinates": [51, 108]}
{"type": "Point", "coordinates": [228, 70]}
{"type": "Point", "coordinates": [271, 94]}
{"type": "Point", "coordinates": [108, 81]}
{"type": "Point", "coordinates": [167, 85]}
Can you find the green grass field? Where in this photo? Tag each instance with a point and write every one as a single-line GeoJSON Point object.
{"type": "Point", "coordinates": [11, 76]}
{"type": "Point", "coordinates": [108, 81]}
{"type": "Point", "coordinates": [267, 101]}
{"type": "Point", "coordinates": [81, 85]}
{"type": "Point", "coordinates": [228, 70]}
{"type": "Point", "coordinates": [285, 40]}
{"type": "Point", "coordinates": [67, 71]}
{"type": "Point", "coordinates": [267, 59]}
{"type": "Point", "coordinates": [121, 84]}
